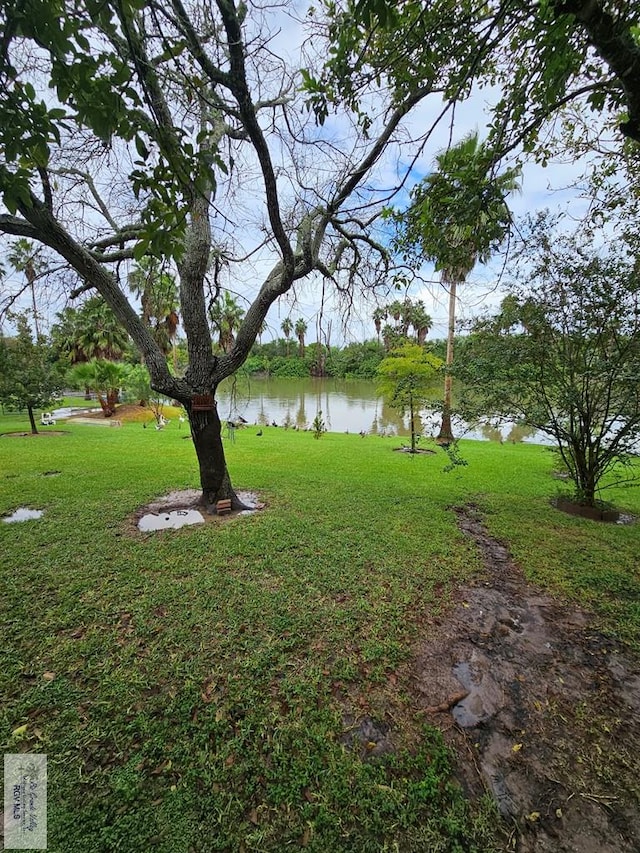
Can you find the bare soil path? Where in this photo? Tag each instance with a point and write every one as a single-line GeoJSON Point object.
{"type": "Point", "coordinates": [542, 710]}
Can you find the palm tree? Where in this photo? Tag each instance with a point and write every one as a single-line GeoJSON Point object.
{"type": "Point", "coordinates": [23, 258]}
{"type": "Point", "coordinates": [379, 315]}
{"type": "Point", "coordinates": [287, 328]}
{"type": "Point", "coordinates": [301, 330]}
{"type": "Point", "coordinates": [226, 316]}
{"type": "Point", "coordinates": [104, 378]}
{"type": "Point", "coordinates": [395, 310]}
{"type": "Point", "coordinates": [158, 293]}
{"type": "Point", "coordinates": [64, 336]}
{"type": "Point", "coordinates": [98, 333]}
{"type": "Point", "coordinates": [457, 217]}
{"type": "Point", "coordinates": [421, 321]}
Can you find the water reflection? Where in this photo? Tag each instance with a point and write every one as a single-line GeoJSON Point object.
{"type": "Point", "coordinates": [347, 406]}
{"type": "Point", "coordinates": [170, 520]}
{"type": "Point", "coordinates": [23, 513]}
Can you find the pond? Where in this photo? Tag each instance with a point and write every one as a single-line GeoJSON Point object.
{"type": "Point", "coordinates": [347, 406]}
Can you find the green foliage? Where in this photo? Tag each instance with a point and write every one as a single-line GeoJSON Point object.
{"type": "Point", "coordinates": [319, 427]}
{"type": "Point", "coordinates": [158, 291]}
{"type": "Point", "coordinates": [538, 57]}
{"type": "Point", "coordinates": [260, 364]}
{"type": "Point", "coordinates": [356, 360]}
{"type": "Point", "coordinates": [563, 355]}
{"type": "Point", "coordinates": [81, 57]}
{"type": "Point", "coordinates": [28, 379]}
{"type": "Point", "coordinates": [226, 316]}
{"type": "Point", "coordinates": [406, 379]}
{"type": "Point", "coordinates": [289, 368]}
{"type": "Point", "coordinates": [458, 214]}
{"type": "Point", "coordinates": [91, 331]}
{"type": "Point", "coordinates": [136, 383]}
{"type": "Point", "coordinates": [104, 378]}
{"type": "Point", "coordinates": [405, 314]}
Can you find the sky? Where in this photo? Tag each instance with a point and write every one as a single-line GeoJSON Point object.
{"type": "Point", "coordinates": [541, 188]}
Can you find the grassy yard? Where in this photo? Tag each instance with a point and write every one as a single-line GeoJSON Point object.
{"type": "Point", "coordinates": [194, 690]}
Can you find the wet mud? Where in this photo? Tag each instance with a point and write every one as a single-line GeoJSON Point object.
{"type": "Point", "coordinates": [542, 710]}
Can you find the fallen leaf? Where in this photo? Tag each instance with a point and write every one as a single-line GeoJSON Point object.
{"type": "Point", "coordinates": [516, 747]}
{"type": "Point", "coordinates": [533, 816]}
{"type": "Point", "coordinates": [48, 676]}
{"type": "Point", "coordinates": [19, 731]}
{"type": "Point", "coordinates": [558, 812]}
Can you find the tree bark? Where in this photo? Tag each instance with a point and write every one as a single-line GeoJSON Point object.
{"type": "Point", "coordinates": [413, 424]}
{"type": "Point", "coordinates": [206, 431]}
{"type": "Point", "coordinates": [445, 436]}
{"type": "Point", "coordinates": [32, 420]}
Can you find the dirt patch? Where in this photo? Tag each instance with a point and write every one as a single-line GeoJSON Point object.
{"type": "Point", "coordinates": [189, 499]}
{"type": "Point", "coordinates": [593, 513]}
{"type": "Point", "coordinates": [34, 434]}
{"type": "Point", "coordinates": [418, 450]}
{"type": "Point", "coordinates": [542, 710]}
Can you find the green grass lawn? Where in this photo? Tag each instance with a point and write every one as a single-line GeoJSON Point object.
{"type": "Point", "coordinates": [192, 688]}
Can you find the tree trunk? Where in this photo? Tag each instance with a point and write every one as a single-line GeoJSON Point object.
{"type": "Point", "coordinates": [586, 484]}
{"type": "Point", "coordinates": [32, 420]}
{"type": "Point", "coordinates": [413, 425]}
{"type": "Point", "coordinates": [206, 431]}
{"type": "Point", "coordinates": [445, 436]}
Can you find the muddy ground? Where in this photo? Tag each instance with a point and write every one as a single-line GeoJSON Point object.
{"type": "Point", "coordinates": [542, 710]}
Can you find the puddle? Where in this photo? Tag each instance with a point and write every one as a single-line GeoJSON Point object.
{"type": "Point", "coordinates": [170, 520]}
{"type": "Point", "coordinates": [72, 411]}
{"type": "Point", "coordinates": [23, 513]}
{"type": "Point", "coordinates": [484, 696]}
{"type": "Point", "coordinates": [512, 666]}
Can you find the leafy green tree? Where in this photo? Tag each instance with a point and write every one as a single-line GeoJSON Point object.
{"type": "Point", "coordinates": [421, 321]}
{"type": "Point", "coordinates": [406, 315]}
{"type": "Point", "coordinates": [90, 331]}
{"type": "Point", "coordinates": [136, 384]}
{"type": "Point", "coordinates": [64, 337]}
{"type": "Point", "coordinates": [405, 377]}
{"type": "Point", "coordinates": [28, 379]}
{"type": "Point", "coordinates": [563, 355]}
{"type": "Point", "coordinates": [458, 216]}
{"type": "Point", "coordinates": [539, 56]}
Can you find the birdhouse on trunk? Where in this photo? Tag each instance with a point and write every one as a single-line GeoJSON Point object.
{"type": "Point", "coordinates": [223, 507]}
{"type": "Point", "coordinates": [202, 403]}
